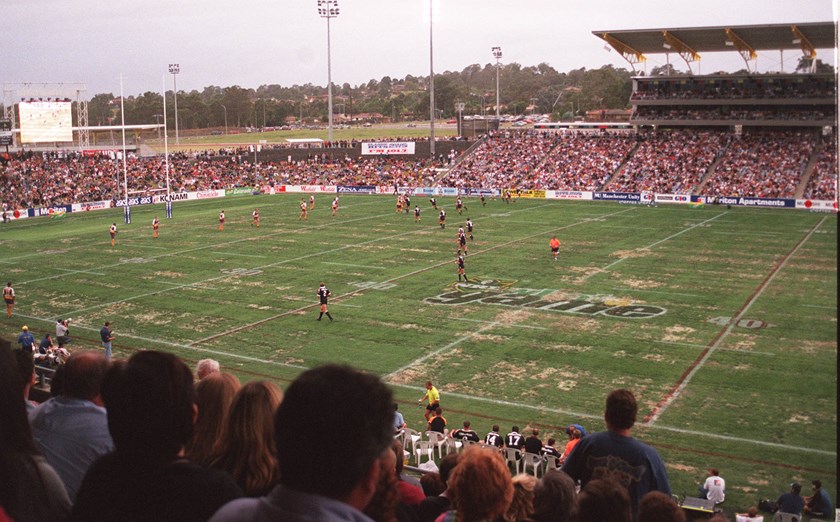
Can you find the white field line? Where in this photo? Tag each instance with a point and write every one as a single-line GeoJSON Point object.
{"type": "Point", "coordinates": [431, 354]}
{"type": "Point", "coordinates": [672, 236]}
{"type": "Point", "coordinates": [81, 271]}
{"type": "Point", "coordinates": [236, 254]}
{"type": "Point", "coordinates": [713, 348]}
{"type": "Point", "coordinates": [819, 306]}
{"type": "Point", "coordinates": [352, 265]}
{"type": "Point", "coordinates": [768, 354]}
{"type": "Point", "coordinates": [645, 290]}
{"type": "Point", "coordinates": [512, 325]}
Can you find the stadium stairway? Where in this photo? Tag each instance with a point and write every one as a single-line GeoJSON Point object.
{"type": "Point", "coordinates": [711, 170]}
{"type": "Point", "coordinates": [808, 171]}
{"type": "Point", "coordinates": [620, 169]}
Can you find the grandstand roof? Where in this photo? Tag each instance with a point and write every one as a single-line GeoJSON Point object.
{"type": "Point", "coordinates": [746, 39]}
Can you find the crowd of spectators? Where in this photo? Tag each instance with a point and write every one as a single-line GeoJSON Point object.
{"type": "Point", "coordinates": [762, 164]}
{"type": "Point", "coordinates": [734, 113]}
{"type": "Point", "coordinates": [505, 159]}
{"type": "Point", "coordinates": [670, 162]}
{"type": "Point", "coordinates": [732, 88]}
{"type": "Point", "coordinates": [582, 161]}
{"type": "Point", "coordinates": [823, 181]}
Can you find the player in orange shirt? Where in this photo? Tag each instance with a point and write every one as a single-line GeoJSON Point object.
{"type": "Point", "coordinates": [256, 217]}
{"type": "Point", "coordinates": [335, 206]}
{"type": "Point", "coordinates": [311, 202]}
{"type": "Point", "coordinates": [222, 220]}
{"type": "Point", "coordinates": [302, 210]}
{"type": "Point", "coordinates": [555, 246]}
{"type": "Point", "coordinates": [9, 298]}
{"type": "Point", "coordinates": [155, 227]}
{"type": "Point", "coordinates": [113, 232]}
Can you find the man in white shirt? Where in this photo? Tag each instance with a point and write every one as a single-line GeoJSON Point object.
{"type": "Point", "coordinates": [714, 488]}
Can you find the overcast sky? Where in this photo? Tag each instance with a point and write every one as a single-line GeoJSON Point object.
{"type": "Point", "coordinates": [257, 42]}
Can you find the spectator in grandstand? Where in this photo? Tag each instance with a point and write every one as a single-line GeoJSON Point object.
{"type": "Point", "coordinates": [26, 340]}
{"type": "Point", "coordinates": [438, 421]}
{"type": "Point", "coordinates": [604, 500]}
{"type": "Point", "coordinates": [549, 451]}
{"type": "Point", "coordinates": [30, 489]}
{"type": "Point", "coordinates": [432, 506]}
{"type": "Point", "coordinates": [465, 433]}
{"type": "Point", "coordinates": [246, 450]}
{"type": "Point", "coordinates": [431, 484]}
{"type": "Point", "coordinates": [791, 502]}
{"type": "Point", "coordinates": [614, 450]}
{"type": "Point", "coordinates": [480, 487]}
{"type": "Point", "coordinates": [750, 516]}
{"type": "Point", "coordinates": [533, 444]}
{"type": "Point", "coordinates": [213, 397]}
{"type": "Point", "coordinates": [494, 438]}
{"type": "Point", "coordinates": [819, 503]}
{"type": "Point", "coordinates": [554, 497]}
{"type": "Point", "coordinates": [205, 367]}
{"type": "Point", "coordinates": [714, 488]}
{"type": "Point", "coordinates": [399, 420]}
{"type": "Point", "coordinates": [522, 504]}
{"type": "Point", "coordinates": [151, 403]}
{"type": "Point", "coordinates": [409, 493]}
{"type": "Point", "coordinates": [574, 439]}
{"type": "Point", "coordinates": [26, 367]}
{"type": "Point", "coordinates": [384, 505]}
{"type": "Point", "coordinates": [308, 489]}
{"type": "Point", "coordinates": [659, 507]}
{"type": "Point", "coordinates": [71, 430]}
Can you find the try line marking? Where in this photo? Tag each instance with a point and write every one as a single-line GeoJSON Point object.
{"type": "Point", "coordinates": [698, 363]}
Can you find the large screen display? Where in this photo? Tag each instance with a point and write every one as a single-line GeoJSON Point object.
{"type": "Point", "coordinates": [45, 122]}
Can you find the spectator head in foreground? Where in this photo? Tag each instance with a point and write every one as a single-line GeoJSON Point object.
{"type": "Point", "coordinates": [83, 376]}
{"type": "Point", "coordinates": [621, 409]}
{"type": "Point", "coordinates": [205, 367]}
{"type": "Point", "coordinates": [554, 497]}
{"type": "Point", "coordinates": [480, 485]}
{"type": "Point", "coordinates": [604, 500]}
{"type": "Point", "coordinates": [659, 507]}
{"type": "Point", "coordinates": [151, 405]}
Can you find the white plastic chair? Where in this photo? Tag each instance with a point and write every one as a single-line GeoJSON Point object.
{"type": "Point", "coordinates": [411, 438]}
{"type": "Point", "coordinates": [534, 461]}
{"type": "Point", "coordinates": [438, 440]}
{"type": "Point", "coordinates": [513, 456]}
{"type": "Point", "coordinates": [421, 449]}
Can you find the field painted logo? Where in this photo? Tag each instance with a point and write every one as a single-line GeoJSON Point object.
{"type": "Point", "coordinates": [503, 293]}
{"type": "Point", "coordinates": [241, 272]}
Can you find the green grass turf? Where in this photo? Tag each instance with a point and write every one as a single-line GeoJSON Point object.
{"type": "Point", "coordinates": [759, 396]}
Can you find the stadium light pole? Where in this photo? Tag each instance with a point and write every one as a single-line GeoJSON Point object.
{"type": "Point", "coordinates": [329, 9]}
{"type": "Point", "coordinates": [459, 106]}
{"type": "Point", "coordinates": [497, 53]}
{"type": "Point", "coordinates": [127, 208]}
{"type": "Point", "coordinates": [166, 153]}
{"type": "Point", "coordinates": [431, 82]}
{"type": "Point", "coordinates": [225, 109]}
{"type": "Point", "coordinates": [174, 69]}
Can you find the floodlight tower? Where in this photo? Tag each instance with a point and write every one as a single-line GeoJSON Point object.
{"type": "Point", "coordinates": [497, 53]}
{"type": "Point", "coordinates": [329, 9]}
{"type": "Point", "coordinates": [174, 69]}
{"type": "Point", "coordinates": [431, 82]}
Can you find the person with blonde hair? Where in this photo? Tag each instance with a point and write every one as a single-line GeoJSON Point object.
{"type": "Point", "coordinates": [480, 487]}
{"type": "Point", "coordinates": [205, 367]}
{"type": "Point", "coordinates": [213, 397]}
{"type": "Point", "coordinates": [522, 506]}
{"type": "Point", "coordinates": [246, 450]}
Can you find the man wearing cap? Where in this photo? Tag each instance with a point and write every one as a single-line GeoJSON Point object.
{"type": "Point", "coordinates": [792, 502]}
{"type": "Point", "coordinates": [26, 339]}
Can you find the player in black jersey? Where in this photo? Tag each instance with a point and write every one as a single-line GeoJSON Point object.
{"type": "Point", "coordinates": [462, 241]}
{"type": "Point", "coordinates": [483, 201]}
{"type": "Point", "coordinates": [442, 218]}
{"type": "Point", "coordinates": [469, 224]}
{"type": "Point", "coordinates": [416, 213]}
{"type": "Point", "coordinates": [461, 270]}
{"type": "Point", "coordinates": [323, 294]}
{"type": "Point", "coordinates": [433, 201]}
{"type": "Point", "coordinates": [493, 438]}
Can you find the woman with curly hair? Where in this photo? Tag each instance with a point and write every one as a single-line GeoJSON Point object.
{"type": "Point", "coordinates": [480, 486]}
{"type": "Point", "coordinates": [246, 450]}
{"type": "Point", "coordinates": [522, 506]}
{"type": "Point", "coordinates": [213, 397]}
